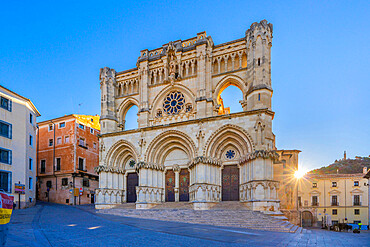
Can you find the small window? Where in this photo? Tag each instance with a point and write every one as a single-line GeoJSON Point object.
{"type": "Point", "coordinates": [81, 126]}
{"type": "Point", "coordinates": [5, 181]}
{"type": "Point", "coordinates": [81, 164]}
{"type": "Point", "coordinates": [6, 104]}
{"type": "Point", "coordinates": [30, 199]}
{"type": "Point", "coordinates": [59, 140]}
{"type": "Point", "coordinates": [31, 140]}
{"type": "Point", "coordinates": [48, 184]}
{"type": "Point", "coordinates": [314, 185]}
{"type": "Point", "coordinates": [315, 202]}
{"type": "Point", "coordinates": [91, 130]}
{"type": "Point", "coordinates": [30, 185]}
{"type": "Point", "coordinates": [357, 211]}
{"type": "Point", "coordinates": [30, 163]}
{"type": "Point", "coordinates": [66, 139]}
{"type": "Point", "coordinates": [5, 156]}
{"type": "Point", "coordinates": [85, 182]}
{"type": "Point", "coordinates": [355, 183]}
{"type": "Point", "coordinates": [50, 127]}
{"type": "Point", "coordinates": [50, 142]}
{"type": "Point", "coordinates": [62, 125]}
{"type": "Point", "coordinates": [334, 184]}
{"type": "Point", "coordinates": [57, 165]}
{"type": "Point", "coordinates": [94, 145]}
{"type": "Point", "coordinates": [259, 97]}
{"type": "Point", "coordinates": [334, 212]}
{"type": "Point", "coordinates": [259, 61]}
{"type": "Point", "coordinates": [64, 181]}
{"type": "Point", "coordinates": [67, 201]}
{"type": "Point", "coordinates": [5, 129]}
{"type": "Point", "coordinates": [43, 166]}
{"type": "Point", "coordinates": [334, 201]}
{"type": "Point", "coordinates": [356, 200]}
{"type": "Point", "coordinates": [159, 113]}
{"type": "Point", "coordinates": [82, 142]}
{"type": "Point", "coordinates": [31, 118]}
{"type": "Point", "coordinates": [189, 108]}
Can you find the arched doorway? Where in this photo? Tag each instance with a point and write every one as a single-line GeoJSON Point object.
{"type": "Point", "coordinates": [307, 219]}
{"type": "Point", "coordinates": [184, 185]}
{"type": "Point", "coordinates": [132, 182]}
{"type": "Point", "coordinates": [230, 183]}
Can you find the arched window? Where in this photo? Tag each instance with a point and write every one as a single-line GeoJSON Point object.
{"type": "Point", "coordinates": [131, 118]}
{"type": "Point", "coordinates": [228, 99]}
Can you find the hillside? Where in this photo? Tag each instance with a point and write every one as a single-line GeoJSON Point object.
{"type": "Point", "coordinates": [348, 166]}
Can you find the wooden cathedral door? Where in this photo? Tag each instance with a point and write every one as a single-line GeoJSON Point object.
{"type": "Point", "coordinates": [230, 183]}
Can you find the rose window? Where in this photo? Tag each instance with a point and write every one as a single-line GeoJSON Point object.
{"type": "Point", "coordinates": [173, 103]}
{"type": "Point", "coordinates": [230, 154]}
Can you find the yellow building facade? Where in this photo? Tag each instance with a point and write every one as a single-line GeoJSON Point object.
{"type": "Point", "coordinates": [343, 197]}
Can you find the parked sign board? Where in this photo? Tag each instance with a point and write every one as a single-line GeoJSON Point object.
{"type": "Point", "coordinates": [19, 188]}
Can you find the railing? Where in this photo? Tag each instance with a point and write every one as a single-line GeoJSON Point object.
{"type": "Point", "coordinates": [315, 204]}
{"type": "Point", "coordinates": [334, 203]}
{"type": "Point", "coordinates": [357, 203]}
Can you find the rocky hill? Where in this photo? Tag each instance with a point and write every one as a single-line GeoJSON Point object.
{"type": "Point", "coordinates": [347, 166]}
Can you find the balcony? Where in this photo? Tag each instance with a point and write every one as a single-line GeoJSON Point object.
{"type": "Point", "coordinates": [315, 204]}
{"type": "Point", "coordinates": [83, 146]}
{"type": "Point", "coordinates": [357, 204]}
{"type": "Point", "coordinates": [334, 203]}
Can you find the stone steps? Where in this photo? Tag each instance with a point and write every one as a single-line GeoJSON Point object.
{"type": "Point", "coordinates": [228, 214]}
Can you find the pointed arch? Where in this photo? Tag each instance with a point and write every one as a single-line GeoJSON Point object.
{"type": "Point", "coordinates": [120, 153]}
{"type": "Point", "coordinates": [123, 108]}
{"type": "Point", "coordinates": [226, 136]}
{"type": "Point", "coordinates": [166, 142]}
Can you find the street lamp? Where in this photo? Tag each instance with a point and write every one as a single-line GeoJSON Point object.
{"type": "Point", "coordinates": [298, 174]}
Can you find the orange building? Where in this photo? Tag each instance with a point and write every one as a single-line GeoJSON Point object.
{"type": "Point", "coordinates": [67, 152]}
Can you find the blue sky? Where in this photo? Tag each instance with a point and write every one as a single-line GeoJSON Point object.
{"type": "Point", "coordinates": [51, 52]}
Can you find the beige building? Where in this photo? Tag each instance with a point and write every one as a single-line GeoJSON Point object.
{"type": "Point", "coordinates": [188, 147]}
{"type": "Point", "coordinates": [18, 145]}
{"type": "Point", "coordinates": [341, 196]}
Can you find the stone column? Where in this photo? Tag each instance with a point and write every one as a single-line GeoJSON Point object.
{"type": "Point", "coordinates": [176, 169]}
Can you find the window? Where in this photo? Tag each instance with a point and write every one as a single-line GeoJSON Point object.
{"type": "Point", "coordinates": [62, 125]}
{"type": "Point", "coordinates": [355, 183]}
{"type": "Point", "coordinates": [64, 181]}
{"type": "Point", "coordinates": [82, 142]}
{"type": "Point", "coordinates": [48, 184]}
{"type": "Point", "coordinates": [94, 145]}
{"type": "Point", "coordinates": [50, 142]}
{"type": "Point", "coordinates": [334, 200]}
{"type": "Point", "coordinates": [356, 200]}
{"type": "Point", "coordinates": [299, 201]}
{"type": "Point", "coordinates": [334, 212]}
{"type": "Point", "coordinates": [314, 185]}
{"type": "Point", "coordinates": [333, 184]}
{"type": "Point", "coordinates": [57, 165]}
{"type": "Point", "coordinates": [5, 181]}
{"type": "Point", "coordinates": [5, 129]}
{"type": "Point", "coordinates": [259, 61]}
{"type": "Point", "coordinates": [50, 127]}
{"type": "Point", "coordinates": [67, 201]}
{"type": "Point", "coordinates": [85, 182]}
{"type": "Point", "coordinates": [30, 199]}
{"type": "Point", "coordinates": [6, 104]}
{"type": "Point", "coordinates": [315, 201]}
{"type": "Point", "coordinates": [30, 185]}
{"type": "Point", "coordinates": [43, 166]}
{"type": "Point", "coordinates": [31, 118]}
{"type": "Point", "coordinates": [91, 130]}
{"type": "Point", "coordinates": [59, 140]}
{"type": "Point", "coordinates": [66, 140]}
{"type": "Point", "coordinates": [357, 211]}
{"type": "Point", "coordinates": [31, 140]}
{"type": "Point", "coordinates": [30, 163]}
{"type": "Point", "coordinates": [81, 126]}
{"type": "Point", "coordinates": [5, 156]}
{"type": "Point", "coordinates": [259, 97]}
{"type": "Point", "coordinates": [81, 164]}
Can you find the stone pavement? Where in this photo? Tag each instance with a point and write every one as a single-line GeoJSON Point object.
{"type": "Point", "coordinates": [60, 225]}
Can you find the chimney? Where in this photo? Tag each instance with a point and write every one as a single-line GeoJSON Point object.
{"type": "Point", "coordinates": [364, 170]}
{"type": "Point", "coordinates": [345, 155]}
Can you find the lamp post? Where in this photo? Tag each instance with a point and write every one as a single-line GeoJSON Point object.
{"type": "Point", "coordinates": [298, 174]}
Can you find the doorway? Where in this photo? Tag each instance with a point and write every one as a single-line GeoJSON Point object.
{"type": "Point", "coordinates": [230, 183]}
{"type": "Point", "coordinates": [132, 182]}
{"type": "Point", "coordinates": [184, 185]}
{"type": "Point", "coordinates": [170, 186]}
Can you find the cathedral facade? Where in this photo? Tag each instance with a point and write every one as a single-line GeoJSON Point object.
{"type": "Point", "coordinates": [188, 147]}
